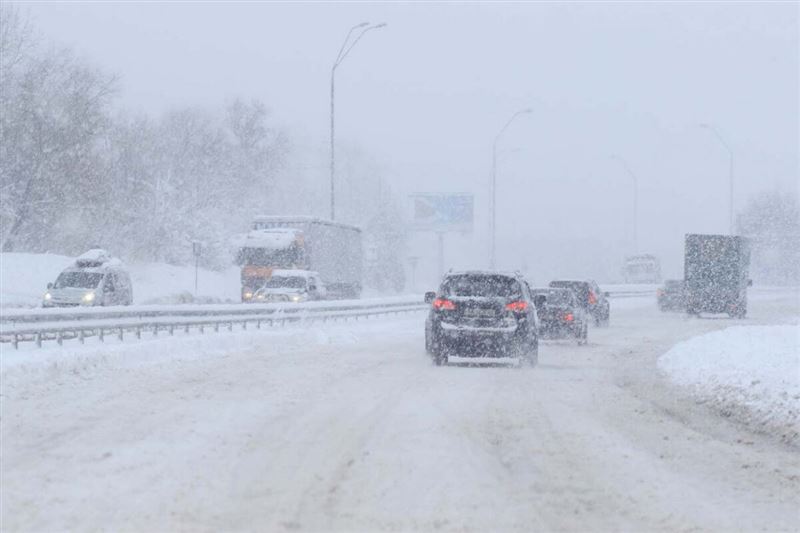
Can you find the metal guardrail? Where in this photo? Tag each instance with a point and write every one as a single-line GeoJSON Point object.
{"type": "Point", "coordinates": [38, 326]}
{"type": "Point", "coordinates": [59, 324]}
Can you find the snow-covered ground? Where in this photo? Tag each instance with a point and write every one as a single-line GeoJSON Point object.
{"type": "Point", "coordinates": [349, 427]}
{"type": "Point", "coordinates": [24, 278]}
{"type": "Point", "coordinates": [752, 372]}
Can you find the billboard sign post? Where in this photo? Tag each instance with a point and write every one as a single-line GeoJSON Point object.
{"type": "Point", "coordinates": [442, 213]}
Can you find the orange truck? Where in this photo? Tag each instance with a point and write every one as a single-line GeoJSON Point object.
{"type": "Point", "coordinates": [332, 249]}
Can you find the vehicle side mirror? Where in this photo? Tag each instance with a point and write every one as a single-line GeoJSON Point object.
{"type": "Point", "coordinates": [606, 294]}
{"type": "Point", "coordinates": [749, 282]}
{"type": "Point", "coordinates": [50, 285]}
{"type": "Point", "coordinates": [539, 300]}
{"type": "Point", "coordinates": [430, 297]}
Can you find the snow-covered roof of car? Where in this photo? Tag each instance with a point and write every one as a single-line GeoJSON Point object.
{"type": "Point", "coordinates": [273, 238]}
{"type": "Point", "coordinates": [96, 257]}
{"type": "Point", "coordinates": [484, 273]}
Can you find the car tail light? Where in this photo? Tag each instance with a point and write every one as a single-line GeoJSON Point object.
{"type": "Point", "coordinates": [443, 304]}
{"type": "Point", "coordinates": [660, 292]}
{"type": "Point", "coordinates": [517, 307]}
{"type": "Point", "coordinates": [569, 317]}
{"type": "Point", "coordinates": [592, 298]}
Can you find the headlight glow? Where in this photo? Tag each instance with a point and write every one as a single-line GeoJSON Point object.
{"type": "Point", "coordinates": [248, 295]}
{"type": "Point", "coordinates": [88, 297]}
{"type": "Point", "coordinates": [296, 298]}
{"type": "Point", "coordinates": [48, 296]}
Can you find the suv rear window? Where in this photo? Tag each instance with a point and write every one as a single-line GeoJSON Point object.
{"type": "Point", "coordinates": [556, 297]}
{"type": "Point", "coordinates": [486, 285]}
{"type": "Point", "coordinates": [580, 288]}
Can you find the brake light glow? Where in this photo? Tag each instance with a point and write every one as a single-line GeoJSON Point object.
{"type": "Point", "coordinates": [592, 298]}
{"type": "Point", "coordinates": [517, 307]}
{"type": "Point", "coordinates": [443, 305]}
{"type": "Point", "coordinates": [569, 317]}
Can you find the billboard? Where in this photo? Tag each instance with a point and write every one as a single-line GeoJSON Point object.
{"type": "Point", "coordinates": [442, 211]}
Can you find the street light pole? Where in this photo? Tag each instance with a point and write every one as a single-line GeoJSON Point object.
{"type": "Point", "coordinates": [635, 202]}
{"type": "Point", "coordinates": [494, 183]}
{"type": "Point", "coordinates": [343, 52]}
{"type": "Point", "coordinates": [730, 172]}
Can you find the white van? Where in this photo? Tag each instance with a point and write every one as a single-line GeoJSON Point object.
{"type": "Point", "coordinates": [95, 278]}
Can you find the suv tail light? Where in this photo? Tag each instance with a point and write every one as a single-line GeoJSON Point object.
{"type": "Point", "coordinates": [517, 307]}
{"type": "Point", "coordinates": [443, 304]}
{"type": "Point", "coordinates": [569, 317]}
{"type": "Point", "coordinates": [592, 298]}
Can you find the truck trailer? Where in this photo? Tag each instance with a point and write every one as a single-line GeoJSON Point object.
{"type": "Point", "coordinates": [332, 249]}
{"type": "Point", "coordinates": [716, 274]}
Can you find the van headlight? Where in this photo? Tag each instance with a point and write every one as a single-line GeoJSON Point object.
{"type": "Point", "coordinates": [88, 297]}
{"type": "Point", "coordinates": [297, 297]}
{"type": "Point", "coordinates": [48, 296]}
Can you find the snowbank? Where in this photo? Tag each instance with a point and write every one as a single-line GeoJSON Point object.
{"type": "Point", "coordinates": [749, 372]}
{"type": "Point", "coordinates": [24, 278]}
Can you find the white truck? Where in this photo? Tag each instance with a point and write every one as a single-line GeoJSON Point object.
{"type": "Point", "coordinates": [331, 249]}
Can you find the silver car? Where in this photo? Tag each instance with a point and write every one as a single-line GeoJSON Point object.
{"type": "Point", "coordinates": [89, 287]}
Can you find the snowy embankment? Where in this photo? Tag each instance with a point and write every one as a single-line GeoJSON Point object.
{"type": "Point", "coordinates": [24, 278]}
{"type": "Point", "coordinates": [751, 373]}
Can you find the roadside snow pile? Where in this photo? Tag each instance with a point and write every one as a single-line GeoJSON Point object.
{"type": "Point", "coordinates": [24, 277]}
{"type": "Point", "coordinates": [748, 372]}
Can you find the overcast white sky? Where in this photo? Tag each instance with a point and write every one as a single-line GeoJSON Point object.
{"type": "Point", "coordinates": [427, 94]}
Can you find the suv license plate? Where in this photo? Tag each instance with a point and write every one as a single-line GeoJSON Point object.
{"type": "Point", "coordinates": [483, 313]}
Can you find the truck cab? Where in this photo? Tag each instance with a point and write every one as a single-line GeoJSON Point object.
{"type": "Point", "coordinates": [291, 286]}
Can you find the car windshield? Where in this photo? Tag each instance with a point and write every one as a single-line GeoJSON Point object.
{"type": "Point", "coordinates": [78, 280]}
{"type": "Point", "coordinates": [285, 282]}
{"type": "Point", "coordinates": [469, 285]}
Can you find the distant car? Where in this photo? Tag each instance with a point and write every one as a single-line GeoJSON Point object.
{"type": "Point", "coordinates": [482, 314]}
{"type": "Point", "coordinates": [94, 279]}
{"type": "Point", "coordinates": [670, 295]}
{"type": "Point", "coordinates": [562, 316]}
{"type": "Point", "coordinates": [590, 297]}
{"type": "Point", "coordinates": [290, 286]}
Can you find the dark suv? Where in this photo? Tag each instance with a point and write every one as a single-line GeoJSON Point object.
{"type": "Point", "coordinates": [590, 297]}
{"type": "Point", "coordinates": [482, 314]}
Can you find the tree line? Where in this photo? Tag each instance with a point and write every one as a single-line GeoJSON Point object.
{"type": "Point", "coordinates": [76, 173]}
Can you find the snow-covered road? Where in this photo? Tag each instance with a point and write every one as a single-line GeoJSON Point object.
{"type": "Point", "coordinates": [350, 427]}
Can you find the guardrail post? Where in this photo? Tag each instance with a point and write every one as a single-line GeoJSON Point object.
{"type": "Point", "coordinates": [216, 327]}
{"type": "Point", "coordinates": [60, 338]}
{"type": "Point", "coordinates": [186, 330]}
{"type": "Point", "coordinates": [39, 339]}
{"type": "Point", "coordinates": [155, 330]}
{"type": "Point", "coordinates": [138, 332]}
{"type": "Point", "coordinates": [16, 341]}
{"type": "Point", "coordinates": [244, 325]}
{"type": "Point", "coordinates": [81, 336]}
{"type": "Point", "coordinates": [258, 324]}
{"type": "Point", "coordinates": [171, 329]}
{"type": "Point", "coordinates": [120, 334]}
{"type": "Point", "coordinates": [201, 329]}
{"type": "Point", "coordinates": [230, 325]}
{"type": "Point", "coordinates": [100, 335]}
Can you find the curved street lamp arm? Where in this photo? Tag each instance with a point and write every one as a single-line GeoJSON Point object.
{"type": "Point", "coordinates": [339, 57]}
{"type": "Point", "coordinates": [719, 137]}
{"type": "Point", "coordinates": [355, 42]}
{"type": "Point", "coordinates": [512, 119]}
{"type": "Point", "coordinates": [626, 166]}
